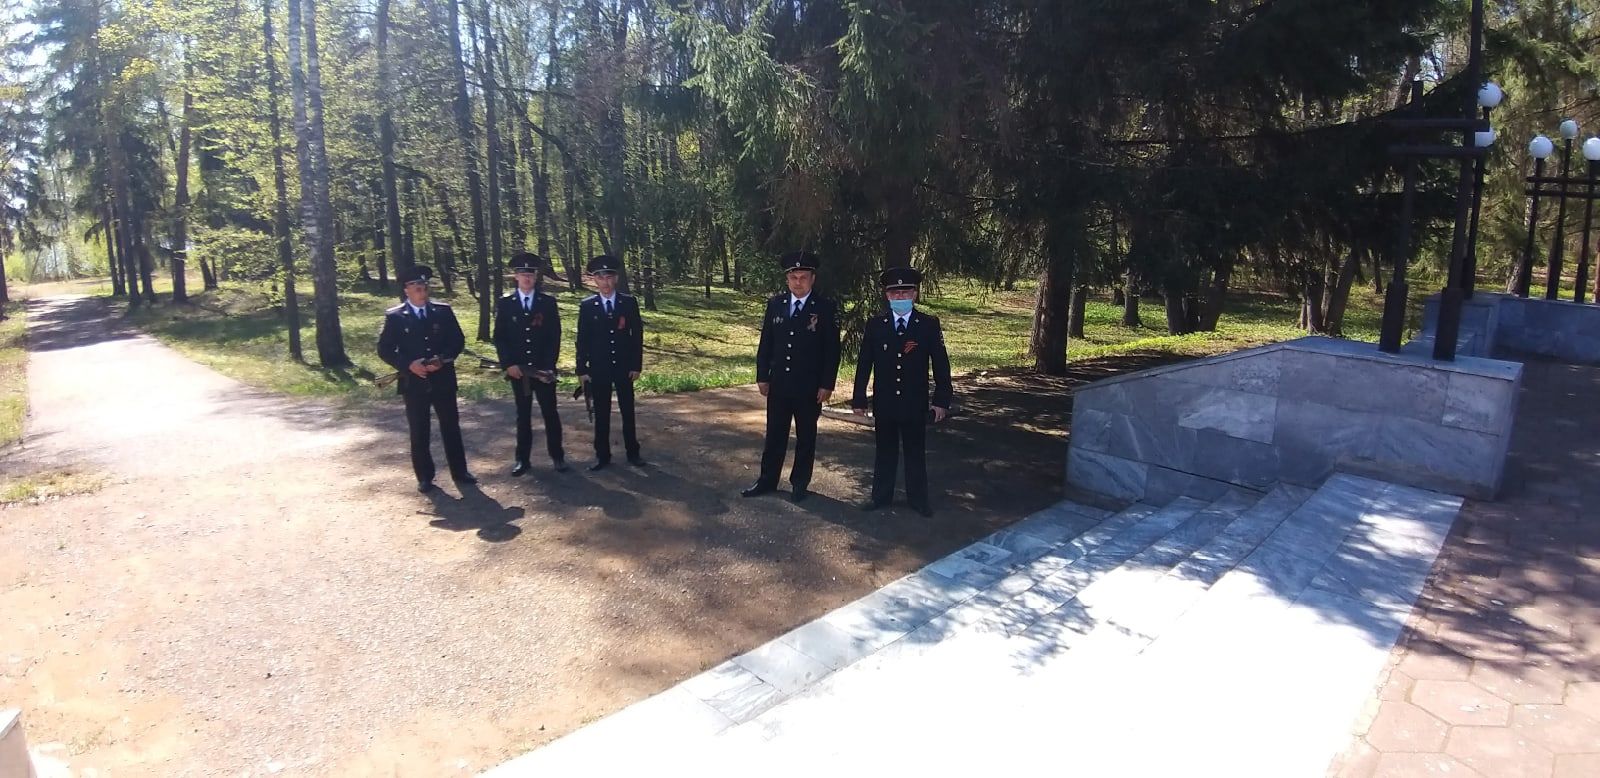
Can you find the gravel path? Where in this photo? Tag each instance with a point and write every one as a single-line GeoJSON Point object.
{"type": "Point", "coordinates": [258, 589]}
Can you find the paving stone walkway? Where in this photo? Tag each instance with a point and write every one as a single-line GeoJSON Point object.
{"type": "Point", "coordinates": [1498, 674]}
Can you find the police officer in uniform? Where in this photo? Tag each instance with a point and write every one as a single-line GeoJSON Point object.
{"type": "Point", "coordinates": [421, 339]}
{"type": "Point", "coordinates": [527, 337]}
{"type": "Point", "coordinates": [901, 348]}
{"type": "Point", "coordinates": [797, 365]}
{"type": "Point", "coordinates": [610, 357]}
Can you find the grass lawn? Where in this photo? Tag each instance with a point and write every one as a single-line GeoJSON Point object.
{"type": "Point", "coordinates": [693, 342]}
{"type": "Point", "coordinates": [13, 373]}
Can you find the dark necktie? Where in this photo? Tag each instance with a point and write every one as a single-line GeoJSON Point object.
{"type": "Point", "coordinates": [900, 327]}
{"type": "Point", "coordinates": [608, 308]}
{"type": "Point", "coordinates": [422, 313]}
{"type": "Point", "coordinates": [797, 306]}
{"type": "Point", "coordinates": [527, 305]}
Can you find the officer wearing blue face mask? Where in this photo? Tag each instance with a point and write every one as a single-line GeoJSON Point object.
{"type": "Point", "coordinates": [902, 348]}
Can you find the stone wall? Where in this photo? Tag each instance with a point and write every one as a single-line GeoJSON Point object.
{"type": "Point", "coordinates": [1295, 412]}
{"type": "Point", "coordinates": [14, 760]}
{"type": "Point", "coordinates": [1507, 326]}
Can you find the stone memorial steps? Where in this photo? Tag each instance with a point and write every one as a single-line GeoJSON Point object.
{"type": "Point", "coordinates": [1238, 636]}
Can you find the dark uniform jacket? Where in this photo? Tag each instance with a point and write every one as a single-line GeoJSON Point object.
{"type": "Point", "coordinates": [405, 339]}
{"type": "Point", "coordinates": [799, 355]}
{"type": "Point", "coordinates": [610, 347]}
{"type": "Point", "coordinates": [524, 338]}
{"type": "Point", "coordinates": [903, 364]}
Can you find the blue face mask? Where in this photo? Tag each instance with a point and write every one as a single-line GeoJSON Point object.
{"type": "Point", "coordinates": [900, 307]}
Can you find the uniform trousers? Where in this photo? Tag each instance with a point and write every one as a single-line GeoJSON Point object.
{"type": "Point", "coordinates": [803, 412]}
{"type": "Point", "coordinates": [546, 394]}
{"type": "Point", "coordinates": [418, 405]}
{"type": "Point", "coordinates": [600, 390]}
{"type": "Point", "coordinates": [893, 435]}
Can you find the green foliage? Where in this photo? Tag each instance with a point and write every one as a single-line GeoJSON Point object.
{"type": "Point", "coordinates": [13, 372]}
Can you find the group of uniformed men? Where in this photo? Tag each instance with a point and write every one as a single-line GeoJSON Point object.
{"type": "Point", "coordinates": [797, 363]}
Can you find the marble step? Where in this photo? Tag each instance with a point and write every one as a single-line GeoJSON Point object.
{"type": "Point", "coordinates": [1131, 617]}
{"type": "Point", "coordinates": [741, 688]}
{"type": "Point", "coordinates": [1235, 637]}
{"type": "Point", "coordinates": [1266, 672]}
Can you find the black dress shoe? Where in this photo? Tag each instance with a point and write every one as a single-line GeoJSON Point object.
{"type": "Point", "coordinates": [636, 460]}
{"type": "Point", "coordinates": [464, 479]}
{"type": "Point", "coordinates": [756, 489]}
{"type": "Point", "coordinates": [926, 512]}
{"type": "Point", "coordinates": [600, 465]}
{"type": "Point", "coordinates": [520, 467]}
{"type": "Point", "coordinates": [799, 493]}
{"type": "Point", "coordinates": [561, 466]}
{"type": "Point", "coordinates": [872, 505]}
{"type": "Point", "coordinates": [425, 486]}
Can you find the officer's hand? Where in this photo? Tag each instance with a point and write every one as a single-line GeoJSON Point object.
{"type": "Point", "coordinates": [633, 375]}
{"type": "Point", "coordinates": [515, 371]}
{"type": "Point", "coordinates": [583, 379]}
{"type": "Point", "coordinates": [549, 377]}
{"type": "Point", "coordinates": [859, 411]}
{"type": "Point", "coordinates": [939, 413]}
{"type": "Point", "coordinates": [822, 395]}
{"type": "Point", "coordinates": [434, 367]}
{"type": "Point", "coordinates": [419, 369]}
{"type": "Point", "coordinates": [764, 387]}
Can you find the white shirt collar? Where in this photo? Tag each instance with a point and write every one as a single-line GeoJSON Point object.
{"type": "Point", "coordinates": [793, 301]}
{"type": "Point", "coordinates": [419, 310]}
{"type": "Point", "coordinates": [610, 299]}
{"type": "Point", "coordinates": [898, 318]}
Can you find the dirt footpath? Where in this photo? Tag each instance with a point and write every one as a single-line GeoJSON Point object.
{"type": "Point", "coordinates": [258, 589]}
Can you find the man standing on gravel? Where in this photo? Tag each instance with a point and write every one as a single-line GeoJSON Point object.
{"type": "Point", "coordinates": [422, 339]}
{"type": "Point", "coordinates": [527, 339]}
{"type": "Point", "coordinates": [902, 347]}
{"type": "Point", "coordinates": [610, 357]}
{"type": "Point", "coordinates": [797, 365]}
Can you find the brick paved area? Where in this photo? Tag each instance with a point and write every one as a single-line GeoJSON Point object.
{"type": "Point", "coordinates": [1498, 674]}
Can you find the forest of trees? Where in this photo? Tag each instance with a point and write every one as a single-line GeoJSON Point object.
{"type": "Point", "coordinates": [1158, 148]}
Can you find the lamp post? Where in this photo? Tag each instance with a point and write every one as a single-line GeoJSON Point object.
{"type": "Point", "coordinates": [1569, 131]}
{"type": "Point", "coordinates": [1540, 148]}
{"type": "Point", "coordinates": [1591, 154]}
{"type": "Point", "coordinates": [1489, 98]}
{"type": "Point", "coordinates": [1448, 326]}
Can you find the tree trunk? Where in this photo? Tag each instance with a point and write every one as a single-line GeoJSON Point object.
{"type": "Point", "coordinates": [381, 248]}
{"type": "Point", "coordinates": [1338, 295]}
{"type": "Point", "coordinates": [1311, 313]}
{"type": "Point", "coordinates": [1052, 304]}
{"type": "Point", "coordinates": [572, 261]}
{"type": "Point", "coordinates": [467, 131]}
{"type": "Point", "coordinates": [541, 173]}
{"type": "Point", "coordinates": [146, 263]}
{"type": "Point", "coordinates": [460, 243]}
{"type": "Point", "coordinates": [408, 241]}
{"type": "Point", "coordinates": [180, 198]}
{"type": "Point", "coordinates": [1080, 304]}
{"type": "Point", "coordinates": [901, 230]}
{"type": "Point", "coordinates": [515, 106]}
{"type": "Point", "coordinates": [5, 294]}
{"type": "Point", "coordinates": [386, 141]}
{"type": "Point", "coordinates": [1177, 309]}
{"type": "Point", "coordinates": [316, 212]}
{"type": "Point", "coordinates": [494, 156]}
{"type": "Point", "coordinates": [280, 185]}
{"type": "Point", "coordinates": [1213, 296]}
{"type": "Point", "coordinates": [613, 142]}
{"type": "Point", "coordinates": [118, 289]}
